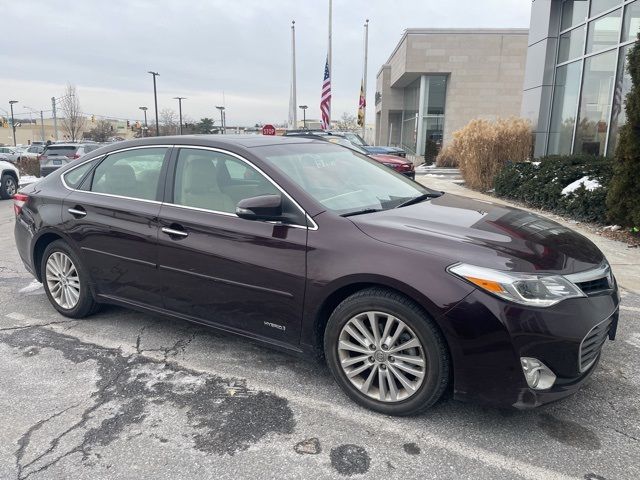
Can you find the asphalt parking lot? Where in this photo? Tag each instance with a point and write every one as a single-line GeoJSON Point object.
{"type": "Point", "coordinates": [127, 395]}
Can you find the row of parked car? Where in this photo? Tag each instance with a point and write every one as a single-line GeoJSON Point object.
{"type": "Point", "coordinates": [52, 156]}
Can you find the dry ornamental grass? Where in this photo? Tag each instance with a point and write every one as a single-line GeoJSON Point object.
{"type": "Point", "coordinates": [483, 148]}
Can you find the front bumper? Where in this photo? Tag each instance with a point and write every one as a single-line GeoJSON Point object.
{"type": "Point", "coordinates": [487, 336]}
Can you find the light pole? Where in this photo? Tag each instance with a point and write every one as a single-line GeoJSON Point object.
{"type": "Point", "coordinates": [180, 110]}
{"type": "Point", "coordinates": [155, 100]}
{"type": "Point", "coordinates": [304, 115]}
{"type": "Point", "coordinates": [13, 122]}
{"type": "Point", "coordinates": [222, 125]}
{"type": "Point", "coordinates": [144, 109]}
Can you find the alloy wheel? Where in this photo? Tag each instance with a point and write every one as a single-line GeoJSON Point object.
{"type": "Point", "coordinates": [10, 186]}
{"type": "Point", "coordinates": [382, 356]}
{"type": "Point", "coordinates": [63, 280]}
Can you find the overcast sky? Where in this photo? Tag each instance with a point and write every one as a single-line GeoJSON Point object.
{"type": "Point", "coordinates": [204, 47]}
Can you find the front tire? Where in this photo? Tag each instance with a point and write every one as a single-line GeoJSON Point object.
{"type": "Point", "coordinates": [385, 353]}
{"type": "Point", "coordinates": [66, 281]}
{"type": "Point", "coordinates": [8, 186]}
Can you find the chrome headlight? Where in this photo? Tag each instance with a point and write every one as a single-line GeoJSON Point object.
{"type": "Point", "coordinates": [536, 290]}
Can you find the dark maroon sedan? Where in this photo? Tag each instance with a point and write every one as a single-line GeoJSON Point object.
{"type": "Point", "coordinates": [313, 248]}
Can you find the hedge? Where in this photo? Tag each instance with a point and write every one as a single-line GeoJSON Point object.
{"type": "Point", "coordinates": [540, 184]}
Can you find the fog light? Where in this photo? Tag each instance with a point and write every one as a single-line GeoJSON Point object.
{"type": "Point", "coordinates": [537, 374]}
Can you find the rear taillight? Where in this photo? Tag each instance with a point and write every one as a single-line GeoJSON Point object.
{"type": "Point", "coordinates": [19, 200]}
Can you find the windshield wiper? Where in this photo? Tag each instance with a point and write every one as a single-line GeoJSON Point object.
{"type": "Point", "coordinates": [361, 212]}
{"type": "Point", "coordinates": [420, 198]}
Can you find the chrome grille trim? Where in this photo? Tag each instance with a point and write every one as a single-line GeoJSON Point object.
{"type": "Point", "coordinates": [592, 343]}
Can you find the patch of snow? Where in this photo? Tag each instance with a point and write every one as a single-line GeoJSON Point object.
{"type": "Point", "coordinates": [613, 228]}
{"type": "Point", "coordinates": [27, 179]}
{"type": "Point", "coordinates": [535, 164]}
{"type": "Point", "coordinates": [32, 287]}
{"type": "Point", "coordinates": [588, 184]}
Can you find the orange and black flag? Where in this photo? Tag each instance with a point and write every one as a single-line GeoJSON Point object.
{"type": "Point", "coordinates": [361, 105]}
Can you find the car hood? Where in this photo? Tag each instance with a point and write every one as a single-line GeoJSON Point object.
{"type": "Point", "coordinates": [484, 234]}
{"type": "Point", "coordinates": [390, 159]}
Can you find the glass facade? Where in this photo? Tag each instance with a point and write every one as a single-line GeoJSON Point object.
{"type": "Point", "coordinates": [591, 81]}
{"type": "Point", "coordinates": [421, 121]}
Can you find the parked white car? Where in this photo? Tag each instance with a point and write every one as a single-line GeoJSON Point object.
{"type": "Point", "coordinates": [34, 151]}
{"type": "Point", "coordinates": [9, 154]}
{"type": "Point", "coordinates": [9, 179]}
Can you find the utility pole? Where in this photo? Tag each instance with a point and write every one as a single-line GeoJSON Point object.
{"type": "Point", "coordinates": [13, 122]}
{"type": "Point", "coordinates": [41, 119]}
{"type": "Point", "coordinates": [180, 110]}
{"type": "Point", "coordinates": [155, 100]}
{"type": "Point", "coordinates": [55, 119]}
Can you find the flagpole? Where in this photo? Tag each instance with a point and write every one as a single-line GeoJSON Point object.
{"type": "Point", "coordinates": [329, 59]}
{"type": "Point", "coordinates": [364, 76]}
{"type": "Point", "coordinates": [293, 101]}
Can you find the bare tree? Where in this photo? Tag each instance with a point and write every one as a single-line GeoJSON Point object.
{"type": "Point", "coordinates": [101, 132]}
{"type": "Point", "coordinates": [168, 121]}
{"type": "Point", "coordinates": [348, 123]}
{"type": "Point", "coordinates": [73, 121]}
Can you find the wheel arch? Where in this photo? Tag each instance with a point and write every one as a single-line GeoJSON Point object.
{"type": "Point", "coordinates": [347, 287]}
{"type": "Point", "coordinates": [39, 247]}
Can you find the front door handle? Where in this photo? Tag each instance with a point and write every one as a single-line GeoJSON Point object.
{"type": "Point", "coordinates": [77, 212]}
{"type": "Point", "coordinates": [174, 233]}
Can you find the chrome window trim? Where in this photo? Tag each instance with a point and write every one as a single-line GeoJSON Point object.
{"type": "Point", "coordinates": [105, 155]}
{"type": "Point", "coordinates": [62, 177]}
{"type": "Point", "coordinates": [314, 225]}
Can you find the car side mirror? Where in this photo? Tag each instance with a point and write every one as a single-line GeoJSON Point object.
{"type": "Point", "coordinates": [263, 207]}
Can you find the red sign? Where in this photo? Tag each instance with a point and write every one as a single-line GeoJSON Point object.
{"type": "Point", "coordinates": [268, 130]}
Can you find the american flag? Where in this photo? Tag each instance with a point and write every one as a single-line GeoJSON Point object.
{"type": "Point", "coordinates": [325, 98]}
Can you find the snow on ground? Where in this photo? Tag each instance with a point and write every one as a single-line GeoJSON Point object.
{"type": "Point", "coordinates": [588, 183]}
{"type": "Point", "coordinates": [27, 179]}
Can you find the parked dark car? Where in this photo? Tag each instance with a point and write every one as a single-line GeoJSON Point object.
{"type": "Point", "coordinates": [400, 165]}
{"type": "Point", "coordinates": [58, 154]}
{"type": "Point", "coordinates": [355, 139]}
{"type": "Point", "coordinates": [405, 290]}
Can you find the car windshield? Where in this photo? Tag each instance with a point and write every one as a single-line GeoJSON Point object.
{"type": "Point", "coordinates": [341, 179]}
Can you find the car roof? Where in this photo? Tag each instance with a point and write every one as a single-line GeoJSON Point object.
{"type": "Point", "coordinates": [220, 141]}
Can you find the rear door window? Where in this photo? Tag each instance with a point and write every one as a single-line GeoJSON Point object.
{"type": "Point", "coordinates": [132, 173]}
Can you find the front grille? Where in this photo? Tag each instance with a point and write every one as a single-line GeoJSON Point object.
{"type": "Point", "coordinates": [594, 286]}
{"type": "Point", "coordinates": [592, 344]}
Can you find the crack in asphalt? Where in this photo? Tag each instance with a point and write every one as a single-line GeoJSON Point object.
{"type": "Point", "coordinates": [23, 441]}
{"type": "Point", "coordinates": [24, 327]}
{"type": "Point", "coordinates": [224, 415]}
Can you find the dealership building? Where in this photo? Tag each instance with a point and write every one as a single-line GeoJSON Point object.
{"type": "Point", "coordinates": [436, 80]}
{"type": "Point", "coordinates": [575, 81]}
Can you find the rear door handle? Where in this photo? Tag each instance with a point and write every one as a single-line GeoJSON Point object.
{"type": "Point", "coordinates": [174, 233]}
{"type": "Point", "coordinates": [77, 212]}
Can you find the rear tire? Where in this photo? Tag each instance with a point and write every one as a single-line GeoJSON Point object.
{"type": "Point", "coordinates": [406, 372]}
{"type": "Point", "coordinates": [8, 186]}
{"type": "Point", "coordinates": [66, 282]}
